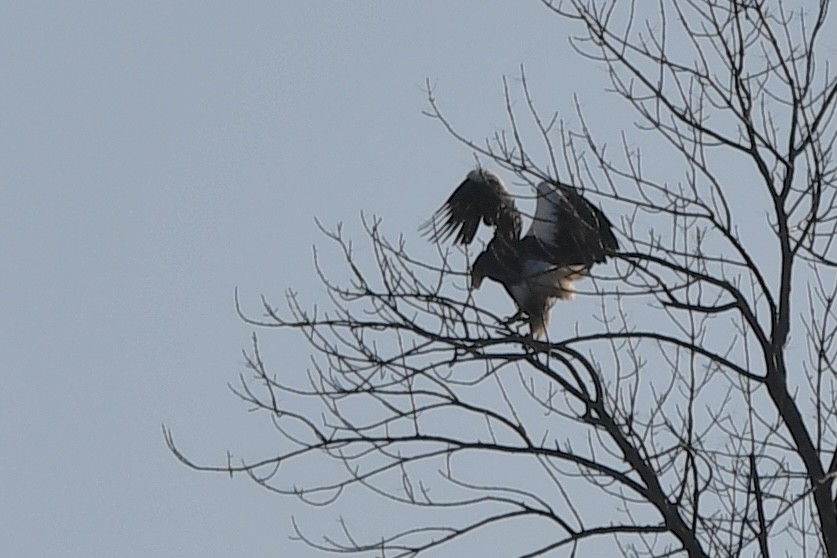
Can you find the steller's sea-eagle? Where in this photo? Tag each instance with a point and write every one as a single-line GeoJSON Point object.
{"type": "Point", "coordinates": [568, 235]}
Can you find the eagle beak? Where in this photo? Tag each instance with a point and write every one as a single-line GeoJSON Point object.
{"type": "Point", "coordinates": [476, 281]}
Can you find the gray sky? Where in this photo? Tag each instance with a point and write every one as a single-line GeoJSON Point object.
{"type": "Point", "coordinates": [154, 157]}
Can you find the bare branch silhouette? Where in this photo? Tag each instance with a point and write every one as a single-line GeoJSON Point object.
{"type": "Point", "coordinates": [693, 413]}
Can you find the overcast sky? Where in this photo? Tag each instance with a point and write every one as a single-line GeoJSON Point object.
{"type": "Point", "coordinates": [154, 156]}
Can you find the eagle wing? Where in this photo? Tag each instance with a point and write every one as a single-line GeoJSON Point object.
{"type": "Point", "coordinates": [568, 230]}
{"type": "Point", "coordinates": [481, 197]}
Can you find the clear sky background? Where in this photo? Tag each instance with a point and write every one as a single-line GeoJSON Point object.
{"type": "Point", "coordinates": [154, 156]}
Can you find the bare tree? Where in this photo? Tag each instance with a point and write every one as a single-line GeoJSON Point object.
{"type": "Point", "coordinates": [698, 407]}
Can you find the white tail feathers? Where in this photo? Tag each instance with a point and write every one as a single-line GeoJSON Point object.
{"type": "Point", "coordinates": [542, 292]}
{"type": "Point", "coordinates": [538, 323]}
{"type": "Point", "coordinates": [537, 293]}
{"type": "Point", "coordinates": [564, 278]}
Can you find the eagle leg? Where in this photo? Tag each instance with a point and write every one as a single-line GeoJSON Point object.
{"type": "Point", "coordinates": [519, 316]}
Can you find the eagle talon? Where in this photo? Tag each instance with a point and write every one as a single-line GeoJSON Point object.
{"type": "Point", "coordinates": [518, 317]}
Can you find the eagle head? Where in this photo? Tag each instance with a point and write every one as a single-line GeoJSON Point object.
{"type": "Point", "coordinates": [486, 265]}
{"type": "Point", "coordinates": [481, 269]}
{"type": "Point", "coordinates": [476, 279]}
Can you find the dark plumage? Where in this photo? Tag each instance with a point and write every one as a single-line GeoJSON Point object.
{"type": "Point", "coordinates": [481, 196]}
{"type": "Point", "coordinates": [568, 235]}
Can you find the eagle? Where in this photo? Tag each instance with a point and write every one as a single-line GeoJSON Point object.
{"type": "Point", "coordinates": [567, 236]}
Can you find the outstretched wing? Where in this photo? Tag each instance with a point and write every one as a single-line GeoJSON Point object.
{"type": "Point", "coordinates": [481, 197]}
{"type": "Point", "coordinates": [569, 230]}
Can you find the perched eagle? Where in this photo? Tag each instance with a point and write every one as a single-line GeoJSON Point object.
{"type": "Point", "coordinates": [568, 235]}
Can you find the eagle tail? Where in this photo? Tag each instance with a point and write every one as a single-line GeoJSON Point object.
{"type": "Point", "coordinates": [538, 323]}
